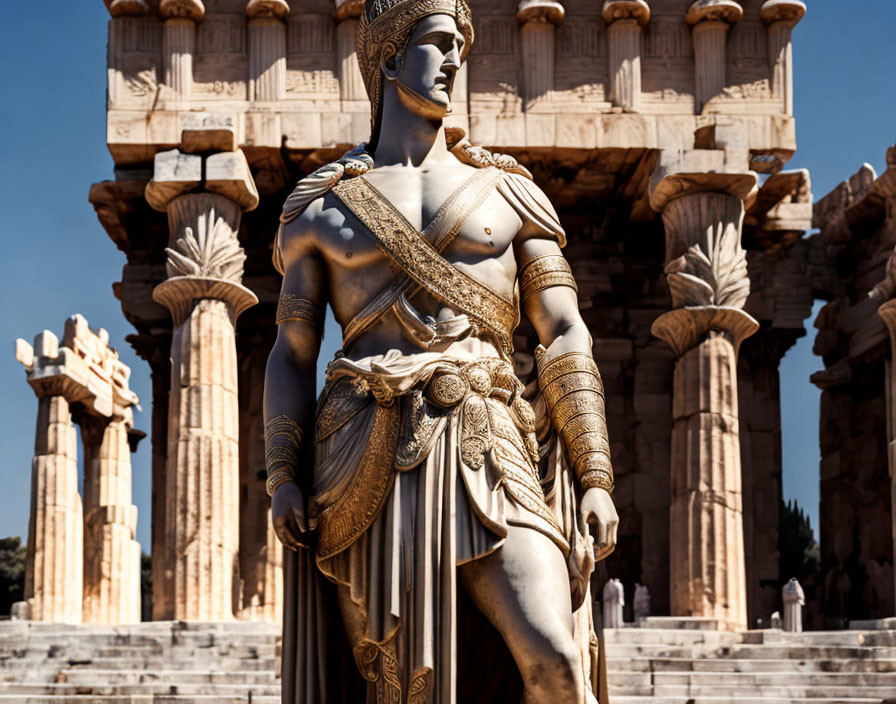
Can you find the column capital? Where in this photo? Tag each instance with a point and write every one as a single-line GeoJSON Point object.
{"type": "Point", "coordinates": [727, 11]}
{"type": "Point", "coordinates": [684, 328]}
{"type": "Point", "coordinates": [540, 11]}
{"type": "Point", "coordinates": [348, 9]}
{"type": "Point", "coordinates": [126, 8]}
{"type": "Point", "coordinates": [782, 11]}
{"type": "Point", "coordinates": [205, 259]}
{"type": "Point", "coordinates": [666, 186]}
{"type": "Point", "coordinates": [614, 10]}
{"type": "Point", "coordinates": [182, 9]}
{"type": "Point", "coordinates": [267, 9]}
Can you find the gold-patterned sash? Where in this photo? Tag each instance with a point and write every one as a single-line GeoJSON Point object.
{"type": "Point", "coordinates": [422, 262]}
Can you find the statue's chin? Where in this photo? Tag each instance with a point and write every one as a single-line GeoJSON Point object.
{"type": "Point", "coordinates": [421, 105]}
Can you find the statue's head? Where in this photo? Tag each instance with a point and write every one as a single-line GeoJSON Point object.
{"type": "Point", "coordinates": [418, 45]}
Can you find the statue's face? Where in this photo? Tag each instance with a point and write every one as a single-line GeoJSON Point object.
{"type": "Point", "coordinates": [429, 65]}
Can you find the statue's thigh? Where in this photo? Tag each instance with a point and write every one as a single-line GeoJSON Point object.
{"type": "Point", "coordinates": [523, 589]}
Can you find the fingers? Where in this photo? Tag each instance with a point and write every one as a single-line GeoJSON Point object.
{"type": "Point", "coordinates": [287, 531]}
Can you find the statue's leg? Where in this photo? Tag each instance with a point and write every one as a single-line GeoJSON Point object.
{"type": "Point", "coordinates": [523, 589]}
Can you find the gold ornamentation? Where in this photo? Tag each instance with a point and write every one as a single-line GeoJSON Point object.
{"type": "Point", "coordinates": [340, 402]}
{"type": "Point", "coordinates": [385, 28]}
{"type": "Point", "coordinates": [344, 521]}
{"type": "Point", "coordinates": [407, 248]}
{"type": "Point", "coordinates": [545, 272]}
{"type": "Point", "coordinates": [378, 664]}
{"type": "Point", "coordinates": [282, 439]}
{"type": "Point", "coordinates": [419, 428]}
{"type": "Point", "coordinates": [447, 389]}
{"type": "Point", "coordinates": [420, 688]}
{"type": "Point", "coordinates": [292, 308]}
{"type": "Point", "coordinates": [475, 434]}
{"type": "Point", "coordinates": [574, 395]}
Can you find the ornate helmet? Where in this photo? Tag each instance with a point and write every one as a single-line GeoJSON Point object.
{"type": "Point", "coordinates": [384, 30]}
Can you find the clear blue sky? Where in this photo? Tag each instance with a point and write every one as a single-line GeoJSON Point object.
{"type": "Point", "coordinates": [56, 259]}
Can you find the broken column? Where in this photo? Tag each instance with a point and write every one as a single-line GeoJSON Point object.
{"type": "Point", "coordinates": [111, 551]}
{"type": "Point", "coordinates": [267, 49]}
{"type": "Point", "coordinates": [625, 24]}
{"type": "Point", "coordinates": [710, 21]}
{"type": "Point", "coordinates": [794, 600]}
{"type": "Point", "coordinates": [178, 44]}
{"type": "Point", "coordinates": [53, 569]}
{"type": "Point", "coordinates": [351, 85]}
{"type": "Point", "coordinates": [538, 21]}
{"type": "Point", "coordinates": [706, 271]}
{"type": "Point", "coordinates": [205, 296]}
{"type": "Point", "coordinates": [781, 16]}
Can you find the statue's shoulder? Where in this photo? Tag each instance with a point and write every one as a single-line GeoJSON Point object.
{"type": "Point", "coordinates": [299, 218]}
{"type": "Point", "coordinates": [517, 187]}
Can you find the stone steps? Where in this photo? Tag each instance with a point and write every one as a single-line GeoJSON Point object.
{"type": "Point", "coordinates": [174, 663]}
{"type": "Point", "coordinates": [697, 666]}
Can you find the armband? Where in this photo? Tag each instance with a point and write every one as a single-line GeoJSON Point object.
{"type": "Point", "coordinates": [282, 439]}
{"type": "Point", "coordinates": [574, 395]}
{"type": "Point", "coordinates": [544, 272]}
{"type": "Point", "coordinates": [293, 308]}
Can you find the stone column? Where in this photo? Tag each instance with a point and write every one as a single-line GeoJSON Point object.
{"type": "Point", "coordinates": [538, 24]}
{"type": "Point", "coordinates": [267, 49]}
{"type": "Point", "coordinates": [53, 570]}
{"type": "Point", "coordinates": [111, 551]}
{"type": "Point", "coordinates": [887, 311]}
{"type": "Point", "coordinates": [178, 43]}
{"type": "Point", "coordinates": [205, 296]}
{"type": "Point", "coordinates": [710, 21]}
{"type": "Point", "coordinates": [781, 17]}
{"type": "Point", "coordinates": [625, 24]}
{"type": "Point", "coordinates": [706, 271]}
{"type": "Point", "coordinates": [121, 11]}
{"type": "Point", "coordinates": [351, 85]}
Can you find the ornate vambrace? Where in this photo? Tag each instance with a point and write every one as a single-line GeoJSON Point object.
{"type": "Point", "coordinates": [282, 439]}
{"type": "Point", "coordinates": [574, 394]}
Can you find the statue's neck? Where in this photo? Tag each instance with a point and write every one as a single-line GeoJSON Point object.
{"type": "Point", "coordinates": [407, 138]}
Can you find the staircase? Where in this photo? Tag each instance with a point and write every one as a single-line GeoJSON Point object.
{"type": "Point", "coordinates": [692, 666]}
{"type": "Point", "coordinates": [164, 662]}
{"type": "Point", "coordinates": [235, 663]}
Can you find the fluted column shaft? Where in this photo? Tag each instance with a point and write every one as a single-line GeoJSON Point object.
{"type": "Point", "coordinates": [111, 551]}
{"type": "Point", "coordinates": [780, 57]}
{"type": "Point", "coordinates": [538, 40]}
{"type": "Point", "coordinates": [709, 57]}
{"type": "Point", "coordinates": [53, 572]}
{"type": "Point", "coordinates": [178, 40]}
{"type": "Point", "coordinates": [625, 63]}
{"type": "Point", "coordinates": [351, 85]}
{"type": "Point", "coordinates": [707, 276]}
{"type": "Point", "coordinates": [706, 540]}
{"type": "Point", "coordinates": [267, 59]}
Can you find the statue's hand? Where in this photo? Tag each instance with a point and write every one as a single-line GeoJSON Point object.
{"type": "Point", "coordinates": [597, 508]}
{"type": "Point", "coordinates": [288, 516]}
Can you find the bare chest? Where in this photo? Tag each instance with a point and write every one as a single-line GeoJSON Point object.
{"type": "Point", "coordinates": [480, 223]}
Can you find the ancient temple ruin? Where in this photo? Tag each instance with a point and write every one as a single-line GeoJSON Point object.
{"type": "Point", "coordinates": [659, 129]}
{"type": "Point", "coordinates": [83, 563]}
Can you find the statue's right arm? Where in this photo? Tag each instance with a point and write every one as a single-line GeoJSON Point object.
{"type": "Point", "coordinates": [289, 387]}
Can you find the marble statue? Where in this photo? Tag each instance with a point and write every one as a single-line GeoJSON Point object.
{"type": "Point", "coordinates": [432, 501]}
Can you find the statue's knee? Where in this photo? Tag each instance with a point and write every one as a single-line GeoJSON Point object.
{"type": "Point", "coordinates": [557, 670]}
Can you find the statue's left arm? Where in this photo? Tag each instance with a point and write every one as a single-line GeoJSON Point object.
{"type": "Point", "coordinates": [567, 374]}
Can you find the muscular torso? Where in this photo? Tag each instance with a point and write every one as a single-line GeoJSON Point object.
{"type": "Point", "coordinates": [354, 269]}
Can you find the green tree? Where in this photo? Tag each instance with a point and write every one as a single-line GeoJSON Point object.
{"type": "Point", "coordinates": [799, 554]}
{"type": "Point", "coordinates": [12, 573]}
